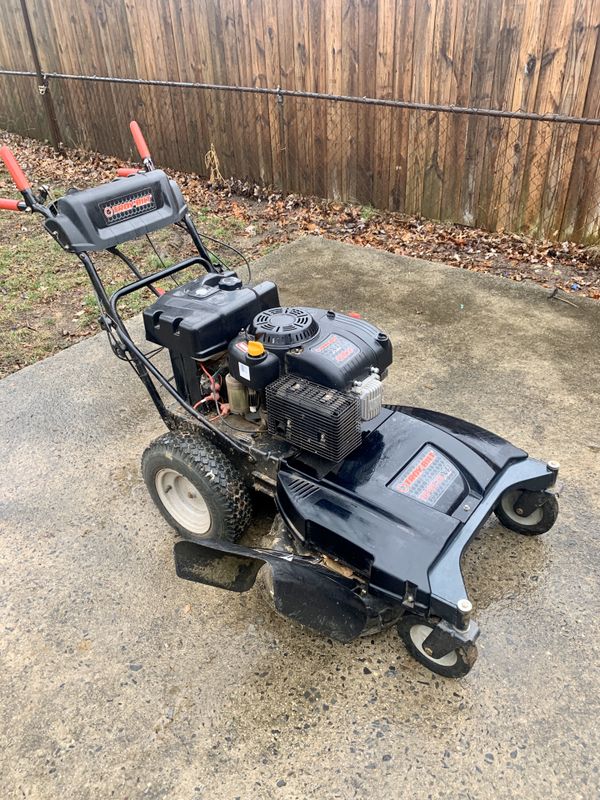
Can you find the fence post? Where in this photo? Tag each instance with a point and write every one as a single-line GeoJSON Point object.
{"type": "Point", "coordinates": [43, 87]}
{"type": "Point", "coordinates": [282, 142]}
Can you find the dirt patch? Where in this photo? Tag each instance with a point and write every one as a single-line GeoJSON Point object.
{"type": "Point", "coordinates": [46, 302]}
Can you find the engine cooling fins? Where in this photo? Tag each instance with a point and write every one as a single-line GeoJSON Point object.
{"type": "Point", "coordinates": [315, 418]}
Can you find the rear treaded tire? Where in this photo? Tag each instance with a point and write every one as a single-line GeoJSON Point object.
{"type": "Point", "coordinates": [211, 473]}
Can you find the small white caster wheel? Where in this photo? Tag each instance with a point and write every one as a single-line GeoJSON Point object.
{"type": "Point", "coordinates": [414, 630]}
{"type": "Point", "coordinates": [540, 520]}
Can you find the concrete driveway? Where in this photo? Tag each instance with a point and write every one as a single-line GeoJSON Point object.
{"type": "Point", "coordinates": [119, 680]}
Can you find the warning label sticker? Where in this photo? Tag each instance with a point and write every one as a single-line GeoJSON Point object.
{"type": "Point", "coordinates": [427, 477]}
{"type": "Point", "coordinates": [244, 371]}
{"type": "Point", "coordinates": [336, 348]}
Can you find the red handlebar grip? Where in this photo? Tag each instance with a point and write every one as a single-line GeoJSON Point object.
{"type": "Point", "coordinates": [10, 205]}
{"type": "Point", "coordinates": [15, 170]}
{"type": "Point", "coordinates": [140, 142]}
{"type": "Point", "coordinates": [125, 172]}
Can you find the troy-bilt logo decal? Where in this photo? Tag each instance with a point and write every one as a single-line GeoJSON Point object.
{"type": "Point", "coordinates": [427, 477]}
{"type": "Point", "coordinates": [336, 348]}
{"type": "Point", "coordinates": [128, 206]}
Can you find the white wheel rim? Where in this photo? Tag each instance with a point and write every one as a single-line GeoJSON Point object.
{"type": "Point", "coordinates": [183, 501]}
{"type": "Point", "coordinates": [418, 634]}
{"type": "Point", "coordinates": [508, 501]}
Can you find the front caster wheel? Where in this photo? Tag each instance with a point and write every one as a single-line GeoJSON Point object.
{"type": "Point", "coordinates": [540, 520]}
{"type": "Point", "coordinates": [196, 488]}
{"type": "Point", "coordinates": [414, 630]}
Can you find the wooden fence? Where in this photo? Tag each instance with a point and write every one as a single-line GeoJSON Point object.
{"type": "Point", "coordinates": [539, 56]}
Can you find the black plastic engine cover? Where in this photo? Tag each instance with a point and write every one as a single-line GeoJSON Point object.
{"type": "Point", "coordinates": [200, 318]}
{"type": "Point", "coordinates": [326, 347]}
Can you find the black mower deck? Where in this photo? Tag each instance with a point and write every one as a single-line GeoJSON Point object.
{"type": "Point", "coordinates": [397, 514]}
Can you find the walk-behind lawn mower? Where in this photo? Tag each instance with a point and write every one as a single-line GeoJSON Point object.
{"type": "Point", "coordinates": [375, 503]}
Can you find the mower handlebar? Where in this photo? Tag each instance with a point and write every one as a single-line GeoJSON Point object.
{"type": "Point", "coordinates": [125, 172]}
{"type": "Point", "coordinates": [6, 204]}
{"type": "Point", "coordinates": [140, 142]}
{"type": "Point", "coordinates": [15, 170]}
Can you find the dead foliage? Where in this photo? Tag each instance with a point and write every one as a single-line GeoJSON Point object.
{"type": "Point", "coordinates": [256, 220]}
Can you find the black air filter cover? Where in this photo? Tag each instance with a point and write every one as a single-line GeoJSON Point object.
{"type": "Point", "coordinates": [282, 328]}
{"type": "Point", "coordinates": [313, 417]}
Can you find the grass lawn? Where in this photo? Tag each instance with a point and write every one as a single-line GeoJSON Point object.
{"type": "Point", "coordinates": [46, 300]}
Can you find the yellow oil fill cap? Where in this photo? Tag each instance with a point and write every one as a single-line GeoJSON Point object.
{"type": "Point", "coordinates": [255, 349]}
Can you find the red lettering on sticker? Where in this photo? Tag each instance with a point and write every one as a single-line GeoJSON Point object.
{"type": "Point", "coordinates": [327, 343]}
{"type": "Point", "coordinates": [128, 205]}
{"type": "Point", "coordinates": [435, 484]}
{"type": "Point", "coordinates": [344, 354]}
{"type": "Point", "coordinates": [412, 476]}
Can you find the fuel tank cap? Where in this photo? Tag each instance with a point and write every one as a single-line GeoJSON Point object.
{"type": "Point", "coordinates": [230, 283]}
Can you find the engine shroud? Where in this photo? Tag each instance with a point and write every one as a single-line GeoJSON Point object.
{"type": "Point", "coordinates": [328, 348]}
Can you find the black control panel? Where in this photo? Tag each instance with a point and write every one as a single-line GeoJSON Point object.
{"type": "Point", "coordinates": [108, 215]}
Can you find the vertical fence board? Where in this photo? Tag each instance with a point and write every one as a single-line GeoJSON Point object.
{"type": "Point", "coordinates": [64, 33]}
{"type": "Point", "coordinates": [14, 113]}
{"type": "Point", "coordinates": [302, 81]}
{"type": "Point", "coordinates": [442, 90]}
{"type": "Point", "coordinates": [332, 34]}
{"type": "Point", "coordinates": [273, 79]}
{"type": "Point", "coordinates": [383, 117]}
{"type": "Point", "coordinates": [576, 76]}
{"type": "Point", "coordinates": [482, 75]}
{"type": "Point", "coordinates": [457, 124]}
{"type": "Point", "coordinates": [366, 85]}
{"type": "Point", "coordinates": [191, 120]}
{"type": "Point", "coordinates": [403, 43]}
{"type": "Point", "coordinates": [580, 215]}
{"type": "Point", "coordinates": [22, 106]}
{"type": "Point", "coordinates": [422, 60]}
{"type": "Point", "coordinates": [235, 54]}
{"type": "Point", "coordinates": [349, 86]}
{"type": "Point", "coordinates": [318, 59]}
{"type": "Point", "coordinates": [199, 68]}
{"type": "Point", "coordinates": [252, 14]}
{"type": "Point", "coordinates": [290, 104]}
{"type": "Point", "coordinates": [529, 61]}
{"type": "Point", "coordinates": [552, 65]}
{"type": "Point", "coordinates": [498, 130]}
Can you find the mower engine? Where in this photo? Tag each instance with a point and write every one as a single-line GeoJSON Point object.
{"type": "Point", "coordinates": [309, 376]}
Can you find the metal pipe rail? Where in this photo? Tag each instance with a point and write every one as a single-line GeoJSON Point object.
{"type": "Point", "coordinates": [340, 98]}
